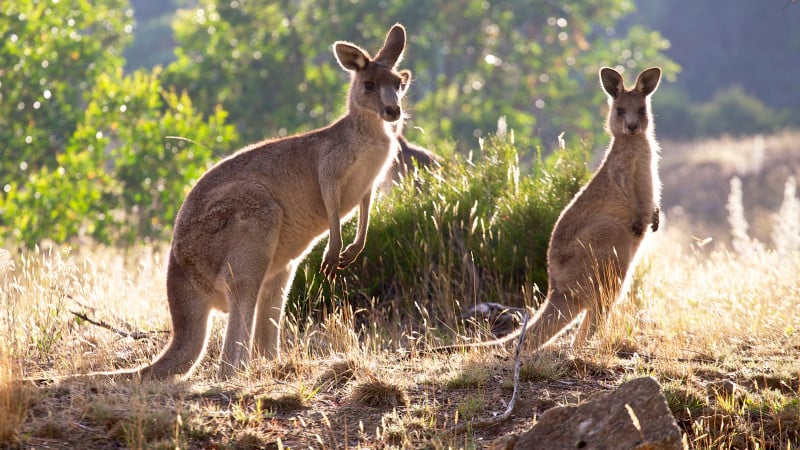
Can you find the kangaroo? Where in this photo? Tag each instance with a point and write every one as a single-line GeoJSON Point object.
{"type": "Point", "coordinates": [596, 237]}
{"type": "Point", "coordinates": [249, 220]}
{"type": "Point", "coordinates": [408, 159]}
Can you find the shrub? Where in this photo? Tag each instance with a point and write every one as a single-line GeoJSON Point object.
{"type": "Point", "coordinates": [119, 178]}
{"type": "Point", "coordinates": [730, 111]}
{"type": "Point", "coordinates": [467, 232]}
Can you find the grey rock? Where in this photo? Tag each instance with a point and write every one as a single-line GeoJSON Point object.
{"type": "Point", "coordinates": [634, 416]}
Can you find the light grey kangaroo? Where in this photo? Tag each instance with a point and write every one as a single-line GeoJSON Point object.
{"type": "Point", "coordinates": [250, 219]}
{"type": "Point", "coordinates": [595, 239]}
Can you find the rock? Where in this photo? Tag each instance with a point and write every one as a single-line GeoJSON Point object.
{"type": "Point", "coordinates": [502, 320]}
{"type": "Point", "coordinates": [506, 442]}
{"type": "Point", "coordinates": [634, 416]}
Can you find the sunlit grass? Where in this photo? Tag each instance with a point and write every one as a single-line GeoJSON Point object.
{"type": "Point", "coordinates": [718, 327]}
{"type": "Point", "coordinates": [689, 312]}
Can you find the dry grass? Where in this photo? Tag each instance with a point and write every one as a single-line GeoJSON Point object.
{"type": "Point", "coordinates": [696, 178]}
{"type": "Point", "coordinates": [693, 319]}
{"type": "Point", "coordinates": [719, 328]}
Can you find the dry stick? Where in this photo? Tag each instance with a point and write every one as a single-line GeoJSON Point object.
{"type": "Point", "coordinates": [134, 335]}
{"type": "Point", "coordinates": [489, 421]}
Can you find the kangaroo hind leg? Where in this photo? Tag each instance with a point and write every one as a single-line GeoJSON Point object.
{"type": "Point", "coordinates": [269, 313]}
{"type": "Point", "coordinates": [558, 311]}
{"type": "Point", "coordinates": [602, 292]}
{"type": "Point", "coordinates": [249, 262]}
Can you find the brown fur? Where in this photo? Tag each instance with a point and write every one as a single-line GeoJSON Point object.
{"type": "Point", "coordinates": [595, 240]}
{"type": "Point", "coordinates": [250, 220]}
{"type": "Point", "coordinates": [408, 159]}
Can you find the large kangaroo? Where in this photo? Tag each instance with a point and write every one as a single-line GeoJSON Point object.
{"type": "Point", "coordinates": [252, 218]}
{"type": "Point", "coordinates": [595, 239]}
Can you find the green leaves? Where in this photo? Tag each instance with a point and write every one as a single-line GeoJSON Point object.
{"type": "Point", "coordinates": [84, 147]}
{"type": "Point", "coordinates": [50, 54]}
{"type": "Point", "coordinates": [120, 178]}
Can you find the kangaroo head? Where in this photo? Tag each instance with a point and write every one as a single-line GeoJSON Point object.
{"type": "Point", "coordinates": [375, 84]}
{"type": "Point", "coordinates": [629, 109]}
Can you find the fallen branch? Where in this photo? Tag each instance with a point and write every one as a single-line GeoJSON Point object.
{"type": "Point", "coordinates": [136, 335]}
{"type": "Point", "coordinates": [489, 421]}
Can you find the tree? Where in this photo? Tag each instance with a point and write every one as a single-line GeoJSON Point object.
{"type": "Point", "coordinates": [120, 178]}
{"type": "Point", "coordinates": [534, 62]}
{"type": "Point", "coordinates": [50, 54]}
{"type": "Point", "coordinates": [270, 65]}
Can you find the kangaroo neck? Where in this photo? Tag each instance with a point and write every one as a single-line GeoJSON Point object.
{"type": "Point", "coordinates": [639, 143]}
{"type": "Point", "coordinates": [367, 123]}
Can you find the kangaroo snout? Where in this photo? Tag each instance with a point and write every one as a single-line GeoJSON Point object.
{"type": "Point", "coordinates": [391, 113]}
{"type": "Point", "coordinates": [632, 127]}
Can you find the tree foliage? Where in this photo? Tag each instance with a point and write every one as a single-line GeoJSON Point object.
{"type": "Point", "coordinates": [84, 146]}
{"type": "Point", "coordinates": [120, 178]}
{"type": "Point", "coordinates": [533, 62]}
{"type": "Point", "coordinates": [50, 54]}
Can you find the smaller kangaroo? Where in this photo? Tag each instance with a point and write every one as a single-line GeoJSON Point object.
{"type": "Point", "coordinates": [594, 242]}
{"type": "Point", "coordinates": [250, 219]}
{"type": "Point", "coordinates": [408, 159]}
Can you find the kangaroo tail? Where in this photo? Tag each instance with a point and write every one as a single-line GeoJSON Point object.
{"type": "Point", "coordinates": [550, 320]}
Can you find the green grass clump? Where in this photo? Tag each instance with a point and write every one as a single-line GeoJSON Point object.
{"type": "Point", "coordinates": [464, 232]}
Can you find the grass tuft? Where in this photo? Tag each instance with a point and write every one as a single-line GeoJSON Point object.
{"type": "Point", "coordinates": [377, 393]}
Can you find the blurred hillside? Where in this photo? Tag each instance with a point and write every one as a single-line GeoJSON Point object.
{"type": "Point", "coordinates": [153, 40]}
{"type": "Point", "coordinates": [696, 181]}
{"type": "Point", "coordinates": [739, 61]}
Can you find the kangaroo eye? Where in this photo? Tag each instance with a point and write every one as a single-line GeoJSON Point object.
{"type": "Point", "coordinates": [369, 86]}
{"type": "Point", "coordinates": [642, 111]}
{"type": "Point", "coordinates": [620, 111]}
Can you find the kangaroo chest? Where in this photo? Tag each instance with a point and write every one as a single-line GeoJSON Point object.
{"type": "Point", "coordinates": [368, 167]}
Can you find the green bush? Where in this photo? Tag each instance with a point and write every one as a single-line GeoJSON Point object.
{"type": "Point", "coordinates": [734, 112]}
{"type": "Point", "coordinates": [470, 231]}
{"type": "Point", "coordinates": [730, 111]}
{"type": "Point", "coordinates": [119, 178]}
{"type": "Point", "coordinates": [51, 54]}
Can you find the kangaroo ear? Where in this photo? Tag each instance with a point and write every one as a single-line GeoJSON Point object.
{"type": "Point", "coordinates": [350, 56]}
{"type": "Point", "coordinates": [392, 51]}
{"type": "Point", "coordinates": [611, 81]}
{"type": "Point", "coordinates": [406, 76]}
{"type": "Point", "coordinates": [647, 81]}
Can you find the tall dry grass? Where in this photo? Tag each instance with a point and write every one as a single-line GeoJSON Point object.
{"type": "Point", "coordinates": [44, 289]}
{"type": "Point", "coordinates": [693, 297]}
{"type": "Point", "coordinates": [697, 314]}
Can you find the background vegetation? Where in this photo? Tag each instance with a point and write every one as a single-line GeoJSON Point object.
{"type": "Point", "coordinates": [86, 142]}
{"type": "Point", "coordinates": [738, 62]}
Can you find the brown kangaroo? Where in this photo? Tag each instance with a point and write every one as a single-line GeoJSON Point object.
{"type": "Point", "coordinates": [250, 219]}
{"type": "Point", "coordinates": [595, 239]}
{"type": "Point", "coordinates": [408, 159]}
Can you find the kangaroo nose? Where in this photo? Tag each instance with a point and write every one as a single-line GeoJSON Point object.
{"type": "Point", "coordinates": [632, 127]}
{"type": "Point", "coordinates": [392, 112]}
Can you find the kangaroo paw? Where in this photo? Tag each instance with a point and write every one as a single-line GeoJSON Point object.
{"type": "Point", "coordinates": [637, 228]}
{"type": "Point", "coordinates": [329, 265]}
{"type": "Point", "coordinates": [655, 219]}
{"type": "Point", "coordinates": [348, 256]}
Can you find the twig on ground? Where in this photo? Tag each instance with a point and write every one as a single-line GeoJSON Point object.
{"type": "Point", "coordinates": [136, 335]}
{"type": "Point", "coordinates": [489, 421]}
